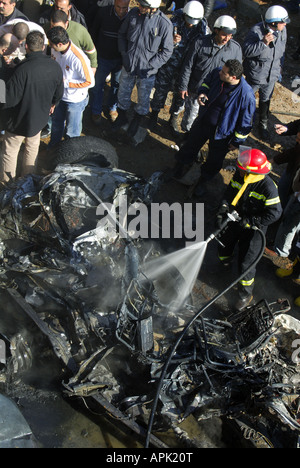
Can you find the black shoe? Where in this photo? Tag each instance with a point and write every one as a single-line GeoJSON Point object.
{"type": "Point", "coordinates": [264, 133]}
{"type": "Point", "coordinates": [153, 118]}
{"type": "Point", "coordinates": [242, 303]}
{"type": "Point", "coordinates": [134, 124]}
{"type": "Point", "coordinates": [121, 120]}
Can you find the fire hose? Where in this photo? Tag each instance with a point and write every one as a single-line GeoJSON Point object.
{"type": "Point", "coordinates": [233, 216]}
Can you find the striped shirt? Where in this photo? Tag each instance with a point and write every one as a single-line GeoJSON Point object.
{"type": "Point", "coordinates": [77, 73]}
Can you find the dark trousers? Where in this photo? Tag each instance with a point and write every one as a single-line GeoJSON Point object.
{"type": "Point", "coordinates": [198, 136]}
{"type": "Point", "coordinates": [249, 245]}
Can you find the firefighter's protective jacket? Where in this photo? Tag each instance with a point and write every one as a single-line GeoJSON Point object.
{"type": "Point", "coordinates": [260, 203]}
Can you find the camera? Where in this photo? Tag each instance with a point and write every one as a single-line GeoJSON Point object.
{"type": "Point", "coordinates": [203, 99]}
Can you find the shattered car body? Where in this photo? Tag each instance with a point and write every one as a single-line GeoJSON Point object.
{"type": "Point", "coordinates": [84, 286]}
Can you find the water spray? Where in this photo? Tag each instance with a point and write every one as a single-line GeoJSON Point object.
{"type": "Point", "coordinates": [233, 216]}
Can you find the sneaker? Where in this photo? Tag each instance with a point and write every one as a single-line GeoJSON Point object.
{"type": "Point", "coordinates": [113, 115]}
{"type": "Point", "coordinates": [46, 132]}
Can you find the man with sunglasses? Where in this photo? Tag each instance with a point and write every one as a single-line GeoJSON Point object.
{"type": "Point", "coordinates": [264, 49]}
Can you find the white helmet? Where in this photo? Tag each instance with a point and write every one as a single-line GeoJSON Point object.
{"type": "Point", "coordinates": [227, 24]}
{"type": "Point", "coordinates": [150, 3]}
{"type": "Point", "coordinates": [277, 14]}
{"type": "Point", "coordinates": [193, 12]}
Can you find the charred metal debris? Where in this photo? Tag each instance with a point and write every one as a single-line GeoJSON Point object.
{"type": "Point", "coordinates": [113, 329]}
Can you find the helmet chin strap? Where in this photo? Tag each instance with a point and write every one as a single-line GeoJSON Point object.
{"type": "Point", "coordinates": [248, 179]}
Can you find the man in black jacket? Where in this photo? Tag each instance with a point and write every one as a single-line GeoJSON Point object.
{"type": "Point", "coordinates": [105, 35]}
{"type": "Point", "coordinates": [66, 6]}
{"type": "Point", "coordinates": [32, 93]}
{"type": "Point", "coordinates": [8, 11]}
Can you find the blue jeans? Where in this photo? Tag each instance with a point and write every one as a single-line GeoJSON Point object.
{"type": "Point", "coordinates": [265, 90]}
{"type": "Point", "coordinates": [288, 228]}
{"type": "Point", "coordinates": [67, 120]}
{"type": "Point", "coordinates": [144, 88]}
{"type": "Point", "coordinates": [105, 67]}
{"type": "Point", "coordinates": [285, 187]}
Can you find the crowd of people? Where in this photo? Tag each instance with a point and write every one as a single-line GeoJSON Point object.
{"type": "Point", "coordinates": [57, 61]}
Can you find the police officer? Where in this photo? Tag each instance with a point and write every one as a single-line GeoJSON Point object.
{"type": "Point", "coordinates": [263, 50]}
{"type": "Point", "coordinates": [146, 44]}
{"type": "Point", "coordinates": [188, 23]}
{"type": "Point", "coordinates": [255, 198]}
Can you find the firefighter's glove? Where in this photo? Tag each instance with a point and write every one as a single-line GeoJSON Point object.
{"type": "Point", "coordinates": [221, 215]}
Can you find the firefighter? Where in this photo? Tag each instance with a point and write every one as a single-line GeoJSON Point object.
{"type": "Point", "coordinates": [254, 195]}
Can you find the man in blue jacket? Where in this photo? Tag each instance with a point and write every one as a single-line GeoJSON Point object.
{"type": "Point", "coordinates": [264, 49]}
{"type": "Point", "coordinates": [146, 44]}
{"type": "Point", "coordinates": [227, 109]}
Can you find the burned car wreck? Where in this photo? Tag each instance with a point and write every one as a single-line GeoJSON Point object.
{"type": "Point", "coordinates": [127, 345]}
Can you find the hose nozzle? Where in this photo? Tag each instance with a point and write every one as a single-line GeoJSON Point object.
{"type": "Point", "coordinates": [230, 216]}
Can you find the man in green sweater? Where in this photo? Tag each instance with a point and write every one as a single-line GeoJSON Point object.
{"type": "Point", "coordinates": [77, 33]}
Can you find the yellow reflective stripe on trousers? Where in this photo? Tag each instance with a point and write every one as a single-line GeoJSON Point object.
{"type": "Point", "coordinates": [247, 283]}
{"type": "Point", "coordinates": [240, 136]}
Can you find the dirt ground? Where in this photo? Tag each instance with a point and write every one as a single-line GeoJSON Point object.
{"type": "Point", "coordinates": [156, 153]}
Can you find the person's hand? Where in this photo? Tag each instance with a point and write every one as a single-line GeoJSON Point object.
{"type": "Point", "coordinates": [184, 94]}
{"type": "Point", "coordinates": [268, 38]}
{"type": "Point", "coordinates": [202, 99]}
{"type": "Point", "coordinates": [177, 38]}
{"type": "Point", "coordinates": [280, 129]}
{"type": "Point", "coordinates": [221, 215]}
